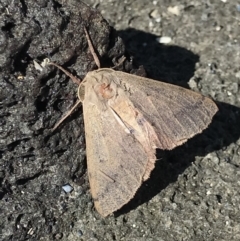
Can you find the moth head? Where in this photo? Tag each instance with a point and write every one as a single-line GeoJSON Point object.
{"type": "Point", "coordinates": [97, 86]}
{"type": "Point", "coordinates": [98, 82]}
{"type": "Point", "coordinates": [105, 90]}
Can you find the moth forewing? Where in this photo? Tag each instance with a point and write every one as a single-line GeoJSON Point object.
{"type": "Point", "coordinates": [116, 161]}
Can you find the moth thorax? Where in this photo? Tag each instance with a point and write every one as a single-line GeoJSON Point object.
{"type": "Point", "coordinates": [105, 91]}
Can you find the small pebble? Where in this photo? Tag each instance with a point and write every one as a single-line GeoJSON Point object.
{"type": "Point", "coordinates": [174, 10]}
{"type": "Point", "coordinates": [37, 66]}
{"type": "Point", "coordinates": [164, 40]}
{"type": "Point", "coordinates": [67, 188]}
{"type": "Point", "coordinates": [218, 28]}
{"type": "Point", "coordinates": [155, 15]}
{"type": "Point", "coordinates": [192, 83]}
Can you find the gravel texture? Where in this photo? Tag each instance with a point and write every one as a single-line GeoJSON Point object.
{"type": "Point", "coordinates": [193, 193]}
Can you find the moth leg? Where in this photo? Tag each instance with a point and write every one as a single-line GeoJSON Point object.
{"type": "Point", "coordinates": [66, 115]}
{"type": "Point", "coordinates": [96, 59]}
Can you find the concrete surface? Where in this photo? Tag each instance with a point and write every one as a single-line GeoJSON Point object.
{"type": "Point", "coordinates": [193, 193]}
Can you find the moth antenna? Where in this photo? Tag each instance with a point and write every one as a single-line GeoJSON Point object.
{"type": "Point", "coordinates": [96, 59]}
{"type": "Point", "coordinates": [66, 115]}
{"type": "Point", "coordinates": [73, 78]}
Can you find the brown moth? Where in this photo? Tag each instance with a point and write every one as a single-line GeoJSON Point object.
{"type": "Point", "coordinates": [126, 118]}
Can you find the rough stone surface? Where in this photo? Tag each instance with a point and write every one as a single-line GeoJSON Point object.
{"type": "Point", "coordinates": [193, 193]}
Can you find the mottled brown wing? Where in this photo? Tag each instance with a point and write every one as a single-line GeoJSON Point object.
{"type": "Point", "coordinates": [116, 160]}
{"type": "Point", "coordinates": [175, 113]}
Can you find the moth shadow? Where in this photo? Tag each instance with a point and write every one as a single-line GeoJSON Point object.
{"type": "Point", "coordinates": [176, 65]}
{"type": "Point", "coordinates": [169, 63]}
